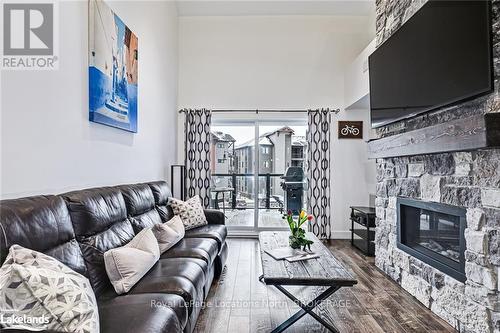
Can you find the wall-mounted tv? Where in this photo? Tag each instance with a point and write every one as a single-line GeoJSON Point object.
{"type": "Point", "coordinates": [440, 56]}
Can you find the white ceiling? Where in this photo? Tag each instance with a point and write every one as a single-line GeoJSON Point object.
{"type": "Point", "coordinates": [274, 7]}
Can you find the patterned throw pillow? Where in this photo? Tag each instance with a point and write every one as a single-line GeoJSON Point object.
{"type": "Point", "coordinates": [191, 212]}
{"type": "Point", "coordinates": [169, 233]}
{"type": "Point", "coordinates": [37, 292]}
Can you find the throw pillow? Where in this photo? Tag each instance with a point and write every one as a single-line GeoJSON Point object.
{"type": "Point", "coordinates": [169, 233]}
{"type": "Point", "coordinates": [190, 211]}
{"type": "Point", "coordinates": [37, 292]}
{"type": "Point", "coordinates": [127, 264]}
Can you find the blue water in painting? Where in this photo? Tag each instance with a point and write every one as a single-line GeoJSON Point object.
{"type": "Point", "coordinates": [99, 91]}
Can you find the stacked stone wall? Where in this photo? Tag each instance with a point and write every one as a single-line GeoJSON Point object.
{"type": "Point", "coordinates": [466, 179]}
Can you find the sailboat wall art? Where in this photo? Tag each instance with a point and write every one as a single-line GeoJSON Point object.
{"type": "Point", "coordinates": [113, 62]}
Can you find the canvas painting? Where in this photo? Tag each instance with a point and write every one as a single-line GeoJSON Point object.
{"type": "Point", "coordinates": [113, 62]}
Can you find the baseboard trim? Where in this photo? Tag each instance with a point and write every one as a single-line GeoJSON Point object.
{"type": "Point", "coordinates": [341, 235]}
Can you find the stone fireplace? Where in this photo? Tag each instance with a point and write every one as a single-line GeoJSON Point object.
{"type": "Point", "coordinates": [466, 180]}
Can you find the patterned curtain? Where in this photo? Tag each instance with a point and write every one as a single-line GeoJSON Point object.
{"type": "Point", "coordinates": [318, 171]}
{"type": "Point", "coordinates": [197, 155]}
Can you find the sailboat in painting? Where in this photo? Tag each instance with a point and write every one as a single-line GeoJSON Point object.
{"type": "Point", "coordinates": [112, 69]}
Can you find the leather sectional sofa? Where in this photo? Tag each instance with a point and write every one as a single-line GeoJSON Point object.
{"type": "Point", "coordinates": [78, 227]}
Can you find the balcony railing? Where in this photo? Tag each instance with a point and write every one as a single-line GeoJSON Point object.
{"type": "Point", "coordinates": [267, 197]}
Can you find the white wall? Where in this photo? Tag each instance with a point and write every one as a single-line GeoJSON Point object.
{"type": "Point", "coordinates": [357, 80]}
{"type": "Point", "coordinates": [49, 146]}
{"type": "Point", "coordinates": [281, 62]}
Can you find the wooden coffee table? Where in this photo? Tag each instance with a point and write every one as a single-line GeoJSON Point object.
{"type": "Point", "coordinates": [325, 271]}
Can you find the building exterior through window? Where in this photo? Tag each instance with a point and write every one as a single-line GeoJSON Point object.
{"type": "Point", "coordinates": [278, 149]}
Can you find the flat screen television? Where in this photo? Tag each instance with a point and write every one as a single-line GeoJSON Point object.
{"type": "Point", "coordinates": [442, 55]}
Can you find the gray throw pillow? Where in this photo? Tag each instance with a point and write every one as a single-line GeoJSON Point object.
{"type": "Point", "coordinates": [191, 212]}
{"type": "Point", "coordinates": [127, 264]}
{"type": "Point", "coordinates": [37, 292]}
{"type": "Point", "coordinates": [169, 233]}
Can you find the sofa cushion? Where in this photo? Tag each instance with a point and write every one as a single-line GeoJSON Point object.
{"type": "Point", "coordinates": [161, 193]}
{"type": "Point", "coordinates": [201, 248]}
{"type": "Point", "coordinates": [43, 224]}
{"type": "Point", "coordinates": [169, 233]}
{"type": "Point", "coordinates": [180, 276]}
{"type": "Point", "coordinates": [35, 285]}
{"type": "Point", "coordinates": [166, 213]}
{"type": "Point", "coordinates": [127, 264]}
{"type": "Point", "coordinates": [145, 220]}
{"type": "Point", "coordinates": [93, 210]}
{"type": "Point", "coordinates": [138, 198]}
{"type": "Point", "coordinates": [143, 313]}
{"type": "Point", "coordinates": [140, 204]}
{"type": "Point", "coordinates": [99, 218]}
{"type": "Point", "coordinates": [216, 232]}
{"type": "Point", "coordinates": [94, 247]}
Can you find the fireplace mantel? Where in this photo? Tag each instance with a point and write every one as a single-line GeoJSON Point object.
{"type": "Point", "coordinates": [477, 132]}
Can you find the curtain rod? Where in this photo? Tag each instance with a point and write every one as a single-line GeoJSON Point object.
{"type": "Point", "coordinates": [267, 110]}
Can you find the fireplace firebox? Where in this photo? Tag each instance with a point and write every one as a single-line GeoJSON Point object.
{"type": "Point", "coordinates": [434, 233]}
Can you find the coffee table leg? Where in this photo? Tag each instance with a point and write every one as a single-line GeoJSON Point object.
{"type": "Point", "coordinates": [306, 308]}
{"type": "Point", "coordinates": [289, 322]}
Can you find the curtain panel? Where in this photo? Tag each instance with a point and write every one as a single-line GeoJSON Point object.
{"type": "Point", "coordinates": [318, 171]}
{"type": "Point", "coordinates": [197, 154]}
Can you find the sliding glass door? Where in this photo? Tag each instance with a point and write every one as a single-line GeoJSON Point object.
{"type": "Point", "coordinates": [251, 155]}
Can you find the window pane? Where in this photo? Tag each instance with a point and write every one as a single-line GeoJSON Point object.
{"type": "Point", "coordinates": [232, 173]}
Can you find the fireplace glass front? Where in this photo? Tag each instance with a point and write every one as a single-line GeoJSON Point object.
{"type": "Point", "coordinates": [434, 233]}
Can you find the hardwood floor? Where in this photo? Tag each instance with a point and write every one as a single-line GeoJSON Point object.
{"type": "Point", "coordinates": [267, 218]}
{"type": "Point", "coordinates": [239, 303]}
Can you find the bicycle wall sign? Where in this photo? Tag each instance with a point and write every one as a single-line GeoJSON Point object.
{"type": "Point", "coordinates": [350, 129]}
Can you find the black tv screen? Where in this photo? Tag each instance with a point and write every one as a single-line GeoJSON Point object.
{"type": "Point", "coordinates": [440, 56]}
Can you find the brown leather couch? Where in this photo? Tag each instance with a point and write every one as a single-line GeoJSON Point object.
{"type": "Point", "coordinates": [78, 227]}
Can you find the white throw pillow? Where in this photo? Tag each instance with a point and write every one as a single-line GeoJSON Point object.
{"type": "Point", "coordinates": [37, 292]}
{"type": "Point", "coordinates": [169, 233]}
{"type": "Point", "coordinates": [127, 264]}
{"type": "Point", "coordinates": [191, 212]}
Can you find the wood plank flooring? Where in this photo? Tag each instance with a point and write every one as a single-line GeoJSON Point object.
{"type": "Point", "coordinates": [267, 218]}
{"type": "Point", "coordinates": [239, 303]}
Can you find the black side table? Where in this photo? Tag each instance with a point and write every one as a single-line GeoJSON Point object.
{"type": "Point", "coordinates": [363, 229]}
